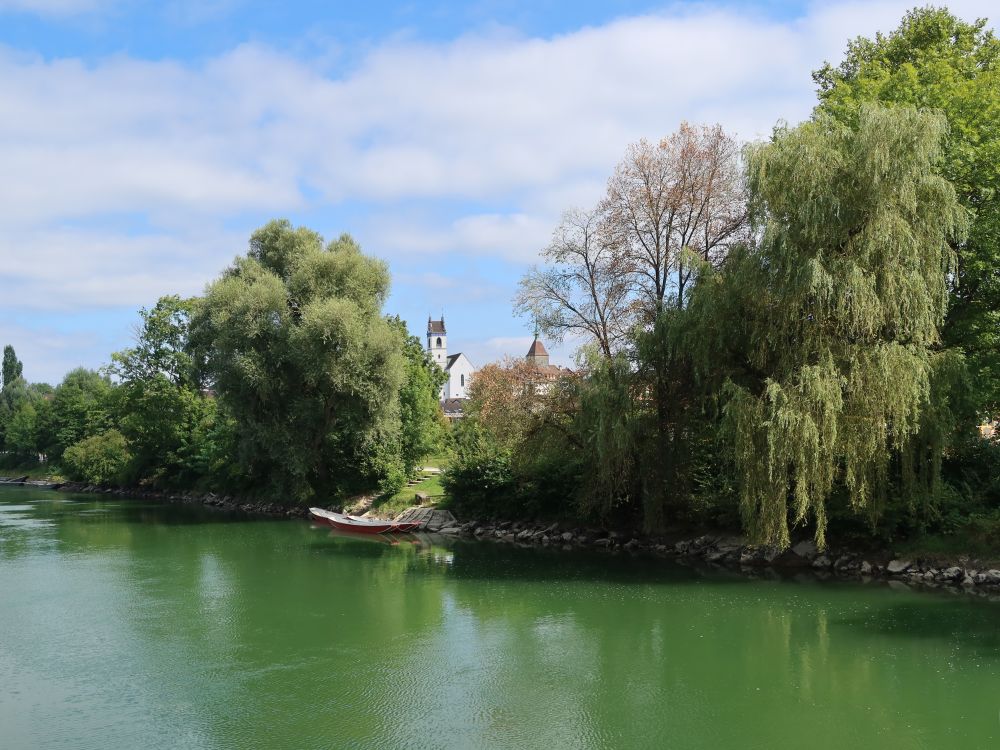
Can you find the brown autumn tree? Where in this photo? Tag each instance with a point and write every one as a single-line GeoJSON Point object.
{"type": "Point", "coordinates": [633, 255]}
{"type": "Point", "coordinates": [684, 196]}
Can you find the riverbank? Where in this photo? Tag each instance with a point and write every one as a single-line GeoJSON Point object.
{"type": "Point", "coordinates": [974, 575]}
{"type": "Point", "coordinates": [209, 499]}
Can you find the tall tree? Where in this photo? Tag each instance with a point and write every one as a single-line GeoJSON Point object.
{"type": "Point", "coordinates": [12, 366]}
{"type": "Point", "coordinates": [838, 311]}
{"type": "Point", "coordinates": [683, 195]}
{"type": "Point", "coordinates": [158, 401]}
{"type": "Point", "coordinates": [297, 349]}
{"type": "Point", "coordinates": [934, 60]}
{"type": "Point", "coordinates": [421, 420]}
{"type": "Point", "coordinates": [80, 408]}
{"type": "Point", "coordinates": [584, 290]}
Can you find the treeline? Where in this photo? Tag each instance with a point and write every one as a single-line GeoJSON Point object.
{"type": "Point", "coordinates": [798, 333]}
{"type": "Point", "coordinates": [285, 381]}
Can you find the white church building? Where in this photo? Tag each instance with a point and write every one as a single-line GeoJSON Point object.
{"type": "Point", "coordinates": [457, 367]}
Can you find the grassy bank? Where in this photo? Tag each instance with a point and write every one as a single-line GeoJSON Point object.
{"type": "Point", "coordinates": [33, 470]}
{"type": "Point", "coordinates": [427, 482]}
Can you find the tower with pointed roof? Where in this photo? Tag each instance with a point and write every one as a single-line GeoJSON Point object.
{"type": "Point", "coordinates": [457, 367]}
{"type": "Point", "coordinates": [537, 354]}
{"type": "Point", "coordinates": [437, 341]}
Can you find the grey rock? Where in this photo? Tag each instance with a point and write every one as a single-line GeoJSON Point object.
{"type": "Point", "coordinates": [769, 553]}
{"type": "Point", "coordinates": [806, 549]}
{"type": "Point", "coordinates": [822, 562]}
{"type": "Point", "coordinates": [953, 573]}
{"type": "Point", "coordinates": [605, 542]}
{"type": "Point", "coordinates": [566, 536]}
{"type": "Point", "coordinates": [451, 530]}
{"type": "Point", "coordinates": [842, 562]}
{"type": "Point", "coordinates": [898, 566]}
{"type": "Point", "coordinates": [866, 568]}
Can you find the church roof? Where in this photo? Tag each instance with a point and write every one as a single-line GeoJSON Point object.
{"type": "Point", "coordinates": [435, 326]}
{"type": "Point", "coordinates": [453, 358]}
{"type": "Point", "coordinates": [537, 349]}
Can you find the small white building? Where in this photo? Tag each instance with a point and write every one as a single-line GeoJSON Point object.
{"type": "Point", "coordinates": [457, 367]}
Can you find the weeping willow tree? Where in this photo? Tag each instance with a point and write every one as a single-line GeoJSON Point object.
{"type": "Point", "coordinates": [837, 314]}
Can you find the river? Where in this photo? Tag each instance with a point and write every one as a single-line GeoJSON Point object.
{"type": "Point", "coordinates": [133, 625]}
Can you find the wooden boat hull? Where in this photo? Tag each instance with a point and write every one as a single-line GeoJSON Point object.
{"type": "Point", "coordinates": [359, 525]}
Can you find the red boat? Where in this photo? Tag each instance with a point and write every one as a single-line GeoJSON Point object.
{"type": "Point", "coordinates": [362, 525]}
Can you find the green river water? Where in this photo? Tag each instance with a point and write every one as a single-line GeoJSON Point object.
{"type": "Point", "coordinates": [139, 626]}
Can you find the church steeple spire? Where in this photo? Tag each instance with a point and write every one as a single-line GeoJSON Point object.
{"type": "Point", "coordinates": [437, 341]}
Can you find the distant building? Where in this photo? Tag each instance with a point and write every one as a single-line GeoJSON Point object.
{"type": "Point", "coordinates": [538, 357]}
{"type": "Point", "coordinates": [453, 408]}
{"type": "Point", "coordinates": [457, 367]}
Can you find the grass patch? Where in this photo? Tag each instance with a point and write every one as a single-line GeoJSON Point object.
{"type": "Point", "coordinates": [33, 470]}
{"type": "Point", "coordinates": [429, 483]}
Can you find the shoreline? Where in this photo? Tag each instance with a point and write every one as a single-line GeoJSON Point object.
{"type": "Point", "coordinates": [719, 550]}
{"type": "Point", "coordinates": [733, 552]}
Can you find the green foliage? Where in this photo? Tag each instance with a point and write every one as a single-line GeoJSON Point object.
{"type": "Point", "coordinates": [161, 348]}
{"type": "Point", "coordinates": [295, 346]}
{"type": "Point", "coordinates": [610, 422]}
{"type": "Point", "coordinates": [79, 407]}
{"type": "Point", "coordinates": [98, 459]}
{"type": "Point", "coordinates": [840, 308]}
{"type": "Point", "coordinates": [12, 367]}
{"type": "Point", "coordinates": [159, 407]}
{"type": "Point", "coordinates": [934, 60]}
{"type": "Point", "coordinates": [422, 423]}
{"type": "Point", "coordinates": [21, 437]}
{"type": "Point", "coordinates": [480, 480]}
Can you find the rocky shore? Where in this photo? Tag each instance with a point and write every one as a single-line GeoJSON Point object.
{"type": "Point", "coordinates": [735, 553]}
{"type": "Point", "coordinates": [210, 499]}
{"type": "Point", "coordinates": [732, 552]}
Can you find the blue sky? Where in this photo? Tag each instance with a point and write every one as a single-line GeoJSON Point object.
{"type": "Point", "coordinates": [143, 142]}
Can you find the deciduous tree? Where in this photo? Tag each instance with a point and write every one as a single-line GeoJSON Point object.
{"type": "Point", "coordinates": [296, 348]}
{"type": "Point", "coordinates": [839, 309]}
{"type": "Point", "coordinates": [934, 60]}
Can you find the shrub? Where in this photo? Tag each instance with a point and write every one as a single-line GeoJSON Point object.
{"type": "Point", "coordinates": [99, 459]}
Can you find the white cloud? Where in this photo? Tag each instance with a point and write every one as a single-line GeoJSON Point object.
{"type": "Point", "coordinates": [76, 269]}
{"type": "Point", "coordinates": [496, 133]}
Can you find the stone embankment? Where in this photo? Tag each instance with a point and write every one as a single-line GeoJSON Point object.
{"type": "Point", "coordinates": [210, 499]}
{"type": "Point", "coordinates": [731, 552]}
{"type": "Point", "coordinates": [735, 552]}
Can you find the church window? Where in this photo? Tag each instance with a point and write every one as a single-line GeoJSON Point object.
{"type": "Point", "coordinates": [463, 380]}
{"type": "Point", "coordinates": [439, 342]}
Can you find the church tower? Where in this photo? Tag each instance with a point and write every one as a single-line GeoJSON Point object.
{"type": "Point", "coordinates": [437, 341]}
{"type": "Point", "coordinates": [537, 355]}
